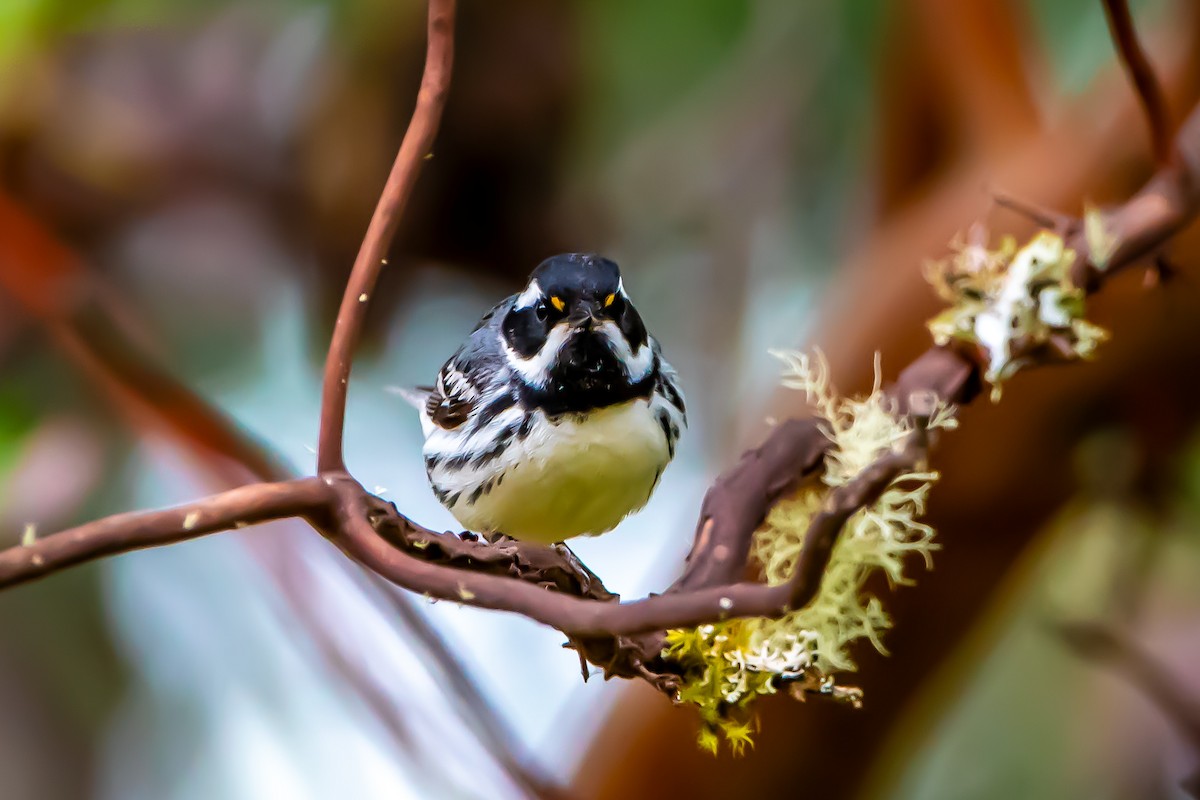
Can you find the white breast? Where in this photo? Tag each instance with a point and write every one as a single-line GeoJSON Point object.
{"type": "Point", "coordinates": [578, 474]}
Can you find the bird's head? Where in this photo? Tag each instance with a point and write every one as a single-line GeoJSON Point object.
{"type": "Point", "coordinates": [573, 328]}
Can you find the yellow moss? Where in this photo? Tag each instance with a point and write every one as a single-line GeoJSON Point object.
{"type": "Point", "coordinates": [728, 664]}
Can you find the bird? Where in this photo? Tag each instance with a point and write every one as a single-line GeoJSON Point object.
{"type": "Point", "coordinates": [557, 415]}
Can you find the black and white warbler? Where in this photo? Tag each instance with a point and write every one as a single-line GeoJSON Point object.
{"type": "Point", "coordinates": [558, 414]}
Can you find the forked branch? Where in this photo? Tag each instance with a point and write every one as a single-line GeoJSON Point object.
{"type": "Point", "coordinates": [543, 584]}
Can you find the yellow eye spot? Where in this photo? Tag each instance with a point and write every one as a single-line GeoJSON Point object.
{"type": "Point", "coordinates": [558, 303]}
{"type": "Point", "coordinates": [608, 301]}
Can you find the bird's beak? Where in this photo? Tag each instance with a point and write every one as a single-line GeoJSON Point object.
{"type": "Point", "coordinates": [582, 317]}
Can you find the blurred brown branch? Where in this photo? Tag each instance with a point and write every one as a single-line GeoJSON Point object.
{"type": "Point", "coordinates": [1021, 448]}
{"type": "Point", "coordinates": [94, 326]}
{"type": "Point", "coordinates": [85, 324]}
{"type": "Point", "coordinates": [1137, 64]}
{"type": "Point", "coordinates": [1106, 646]}
{"type": "Point", "coordinates": [54, 287]}
{"type": "Point", "coordinates": [623, 638]}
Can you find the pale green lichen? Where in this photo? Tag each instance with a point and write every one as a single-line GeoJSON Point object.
{"type": "Point", "coordinates": [726, 665]}
{"type": "Point", "coordinates": [1010, 302]}
{"type": "Point", "coordinates": [1101, 240]}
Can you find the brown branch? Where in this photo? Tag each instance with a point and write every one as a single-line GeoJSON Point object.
{"type": "Point", "coordinates": [582, 618]}
{"type": "Point", "coordinates": [414, 149]}
{"type": "Point", "coordinates": [1137, 64]}
{"type": "Point", "coordinates": [81, 314]}
{"type": "Point", "coordinates": [489, 723]}
{"type": "Point", "coordinates": [1105, 645]}
{"type": "Point", "coordinates": [86, 323]}
{"type": "Point", "coordinates": [123, 533]}
{"type": "Point", "coordinates": [1144, 223]}
{"type": "Point", "coordinates": [842, 503]}
{"type": "Point", "coordinates": [1047, 218]}
{"type": "Point", "coordinates": [549, 567]}
{"type": "Point", "coordinates": [548, 587]}
{"type": "Point", "coordinates": [737, 502]}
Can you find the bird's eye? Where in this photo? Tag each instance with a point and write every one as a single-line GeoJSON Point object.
{"type": "Point", "coordinates": [541, 311]}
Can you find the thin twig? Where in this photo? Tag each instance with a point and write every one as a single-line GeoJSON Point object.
{"type": "Point", "coordinates": [1167, 202]}
{"type": "Point", "coordinates": [414, 149]}
{"type": "Point", "coordinates": [1045, 217]}
{"type": "Point", "coordinates": [1137, 64]}
{"type": "Point", "coordinates": [123, 533]}
{"type": "Point", "coordinates": [1105, 645]}
{"type": "Point", "coordinates": [344, 512]}
{"type": "Point", "coordinates": [477, 706]}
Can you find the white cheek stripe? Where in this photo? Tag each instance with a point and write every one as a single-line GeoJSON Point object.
{"type": "Point", "coordinates": [531, 295]}
{"type": "Point", "coordinates": [535, 370]}
{"type": "Point", "coordinates": [637, 365]}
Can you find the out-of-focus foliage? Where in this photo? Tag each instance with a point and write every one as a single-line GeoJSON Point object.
{"type": "Point", "coordinates": [213, 163]}
{"type": "Point", "coordinates": [1041, 717]}
{"type": "Point", "coordinates": [16, 421]}
{"type": "Point", "coordinates": [730, 663]}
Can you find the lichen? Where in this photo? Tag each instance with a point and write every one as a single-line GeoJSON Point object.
{"type": "Point", "coordinates": [1009, 302]}
{"type": "Point", "coordinates": [727, 665]}
{"type": "Point", "coordinates": [1101, 240]}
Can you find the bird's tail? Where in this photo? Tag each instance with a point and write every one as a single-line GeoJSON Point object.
{"type": "Point", "coordinates": [415, 396]}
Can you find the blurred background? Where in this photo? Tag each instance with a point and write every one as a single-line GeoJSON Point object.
{"type": "Point", "coordinates": [183, 187]}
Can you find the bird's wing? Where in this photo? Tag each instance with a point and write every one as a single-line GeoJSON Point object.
{"type": "Point", "coordinates": [453, 399]}
{"type": "Point", "coordinates": [468, 376]}
{"type": "Point", "coordinates": [668, 384]}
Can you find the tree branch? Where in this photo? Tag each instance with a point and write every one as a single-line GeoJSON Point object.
{"type": "Point", "coordinates": [90, 323]}
{"type": "Point", "coordinates": [123, 533]}
{"type": "Point", "coordinates": [479, 709]}
{"type": "Point", "coordinates": [414, 149]}
{"type": "Point", "coordinates": [1152, 216]}
{"type": "Point", "coordinates": [843, 503]}
{"type": "Point", "coordinates": [1102, 644]}
{"type": "Point", "coordinates": [544, 584]}
{"type": "Point", "coordinates": [738, 501]}
{"type": "Point", "coordinates": [581, 618]}
{"type": "Point", "coordinates": [1137, 65]}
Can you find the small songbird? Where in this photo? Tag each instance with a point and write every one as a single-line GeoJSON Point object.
{"type": "Point", "coordinates": [558, 414]}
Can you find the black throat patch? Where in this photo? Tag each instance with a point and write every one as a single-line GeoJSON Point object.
{"type": "Point", "coordinates": [585, 377]}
